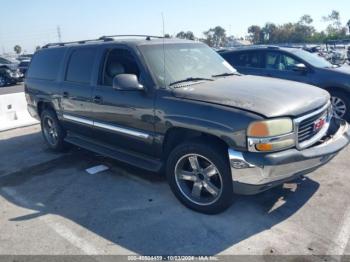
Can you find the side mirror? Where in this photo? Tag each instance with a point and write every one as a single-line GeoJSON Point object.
{"type": "Point", "coordinates": [127, 82]}
{"type": "Point", "coordinates": [300, 68]}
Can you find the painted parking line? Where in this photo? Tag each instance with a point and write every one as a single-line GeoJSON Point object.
{"type": "Point", "coordinates": [62, 230]}
{"type": "Point", "coordinates": [342, 237]}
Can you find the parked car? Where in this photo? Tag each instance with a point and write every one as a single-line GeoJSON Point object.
{"type": "Point", "coordinates": [25, 57]}
{"type": "Point", "coordinates": [296, 65]}
{"type": "Point", "coordinates": [23, 66]}
{"type": "Point", "coordinates": [177, 106]}
{"type": "Point", "coordinates": [9, 73]}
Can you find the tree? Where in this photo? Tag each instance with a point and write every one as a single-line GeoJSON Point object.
{"type": "Point", "coordinates": [348, 25]}
{"type": "Point", "coordinates": [215, 37]}
{"type": "Point", "coordinates": [17, 49]}
{"type": "Point", "coordinates": [255, 34]}
{"type": "Point", "coordinates": [306, 20]}
{"type": "Point", "coordinates": [186, 35]}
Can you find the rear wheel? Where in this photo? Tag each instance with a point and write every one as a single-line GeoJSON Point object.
{"type": "Point", "coordinates": [52, 130]}
{"type": "Point", "coordinates": [200, 177]}
{"type": "Point", "coordinates": [341, 105]}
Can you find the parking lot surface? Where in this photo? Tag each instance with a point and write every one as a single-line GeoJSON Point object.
{"type": "Point", "coordinates": [12, 89]}
{"type": "Point", "coordinates": [51, 206]}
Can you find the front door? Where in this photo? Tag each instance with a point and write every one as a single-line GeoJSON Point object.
{"type": "Point", "coordinates": [281, 65]}
{"type": "Point", "coordinates": [123, 119]}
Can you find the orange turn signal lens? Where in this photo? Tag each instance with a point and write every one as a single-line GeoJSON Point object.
{"type": "Point", "coordinates": [264, 147]}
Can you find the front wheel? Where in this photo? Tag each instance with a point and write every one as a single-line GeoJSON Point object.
{"type": "Point", "coordinates": [200, 177]}
{"type": "Point", "coordinates": [341, 105]}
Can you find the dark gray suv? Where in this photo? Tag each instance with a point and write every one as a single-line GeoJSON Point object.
{"type": "Point", "coordinates": [297, 65]}
{"type": "Point", "coordinates": [177, 106]}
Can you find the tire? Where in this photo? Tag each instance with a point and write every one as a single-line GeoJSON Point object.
{"type": "Point", "coordinates": [2, 81]}
{"type": "Point", "coordinates": [52, 130]}
{"type": "Point", "coordinates": [214, 184]}
{"type": "Point", "coordinates": [341, 101]}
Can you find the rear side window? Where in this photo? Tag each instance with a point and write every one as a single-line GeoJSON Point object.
{"type": "Point", "coordinates": [80, 65]}
{"type": "Point", "coordinates": [45, 64]}
{"type": "Point", "coordinates": [245, 59]}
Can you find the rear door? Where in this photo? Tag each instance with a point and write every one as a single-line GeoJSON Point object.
{"type": "Point", "coordinates": [246, 62]}
{"type": "Point", "coordinates": [280, 65]}
{"type": "Point", "coordinates": [77, 89]}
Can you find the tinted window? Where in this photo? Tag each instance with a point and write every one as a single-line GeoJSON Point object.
{"type": "Point", "coordinates": [80, 65]}
{"type": "Point", "coordinates": [245, 59]}
{"type": "Point", "coordinates": [45, 64]}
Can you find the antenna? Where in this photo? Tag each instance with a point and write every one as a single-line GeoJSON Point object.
{"type": "Point", "coordinates": [164, 73]}
{"type": "Point", "coordinates": [59, 34]}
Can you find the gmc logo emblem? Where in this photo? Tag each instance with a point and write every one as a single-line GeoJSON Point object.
{"type": "Point", "coordinates": [319, 124]}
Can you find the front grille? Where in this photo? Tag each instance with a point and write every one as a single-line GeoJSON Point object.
{"type": "Point", "coordinates": [307, 133]}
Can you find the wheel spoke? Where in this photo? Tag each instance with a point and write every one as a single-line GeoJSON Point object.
{"type": "Point", "coordinates": [197, 189]}
{"type": "Point", "coordinates": [211, 188]}
{"type": "Point", "coordinates": [194, 163]}
{"type": "Point", "coordinates": [49, 123]}
{"type": "Point", "coordinates": [210, 171]}
{"type": "Point", "coordinates": [189, 176]}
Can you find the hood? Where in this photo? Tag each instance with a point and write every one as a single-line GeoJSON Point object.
{"type": "Point", "coordinates": [265, 96]}
{"type": "Point", "coordinates": [344, 70]}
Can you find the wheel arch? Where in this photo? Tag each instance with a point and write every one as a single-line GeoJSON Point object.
{"type": "Point", "coordinates": [177, 135]}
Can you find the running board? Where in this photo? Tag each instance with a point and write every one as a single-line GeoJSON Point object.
{"type": "Point", "coordinates": [130, 158]}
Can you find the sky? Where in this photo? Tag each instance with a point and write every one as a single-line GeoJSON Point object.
{"type": "Point", "coordinates": [30, 23]}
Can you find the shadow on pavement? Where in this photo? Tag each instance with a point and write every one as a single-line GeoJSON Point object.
{"type": "Point", "coordinates": [138, 211]}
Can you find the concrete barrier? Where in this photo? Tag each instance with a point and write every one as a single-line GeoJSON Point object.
{"type": "Point", "coordinates": [13, 112]}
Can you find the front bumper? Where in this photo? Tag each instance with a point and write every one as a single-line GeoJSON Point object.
{"type": "Point", "coordinates": [256, 172]}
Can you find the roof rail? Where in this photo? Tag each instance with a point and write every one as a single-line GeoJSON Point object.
{"type": "Point", "coordinates": [110, 37]}
{"type": "Point", "coordinates": [102, 38]}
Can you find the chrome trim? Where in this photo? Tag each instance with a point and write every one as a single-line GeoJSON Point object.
{"type": "Point", "coordinates": [264, 175]}
{"type": "Point", "coordinates": [237, 157]}
{"type": "Point", "coordinates": [122, 130]}
{"type": "Point", "coordinates": [320, 134]}
{"type": "Point", "coordinates": [117, 129]}
{"type": "Point", "coordinates": [78, 120]}
{"type": "Point", "coordinates": [252, 141]}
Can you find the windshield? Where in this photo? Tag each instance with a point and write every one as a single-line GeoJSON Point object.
{"type": "Point", "coordinates": [4, 61]}
{"type": "Point", "coordinates": [312, 59]}
{"type": "Point", "coordinates": [184, 61]}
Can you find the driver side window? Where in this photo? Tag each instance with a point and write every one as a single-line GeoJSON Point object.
{"type": "Point", "coordinates": [118, 61]}
{"type": "Point", "coordinates": [280, 61]}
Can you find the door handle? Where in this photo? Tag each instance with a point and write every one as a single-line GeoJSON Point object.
{"type": "Point", "coordinates": [97, 100]}
{"type": "Point", "coordinates": [65, 94]}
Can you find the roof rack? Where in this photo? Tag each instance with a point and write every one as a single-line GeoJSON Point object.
{"type": "Point", "coordinates": [102, 38]}
{"type": "Point", "coordinates": [111, 37]}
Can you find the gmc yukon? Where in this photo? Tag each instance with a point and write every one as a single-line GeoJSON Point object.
{"type": "Point", "coordinates": [177, 107]}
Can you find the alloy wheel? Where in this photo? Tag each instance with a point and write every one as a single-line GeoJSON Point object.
{"type": "Point", "coordinates": [2, 81]}
{"type": "Point", "coordinates": [339, 107]}
{"type": "Point", "coordinates": [50, 131]}
{"type": "Point", "coordinates": [198, 179]}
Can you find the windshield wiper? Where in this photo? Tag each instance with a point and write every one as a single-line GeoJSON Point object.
{"type": "Point", "coordinates": [190, 79]}
{"type": "Point", "coordinates": [226, 74]}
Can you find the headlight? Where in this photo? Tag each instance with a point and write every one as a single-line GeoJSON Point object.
{"type": "Point", "coordinates": [271, 135]}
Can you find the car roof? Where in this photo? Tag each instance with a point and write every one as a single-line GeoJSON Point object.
{"type": "Point", "coordinates": [132, 41]}
{"type": "Point", "coordinates": [259, 47]}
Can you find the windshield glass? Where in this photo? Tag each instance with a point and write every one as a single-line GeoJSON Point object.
{"type": "Point", "coordinates": [184, 61]}
{"type": "Point", "coordinates": [312, 59]}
